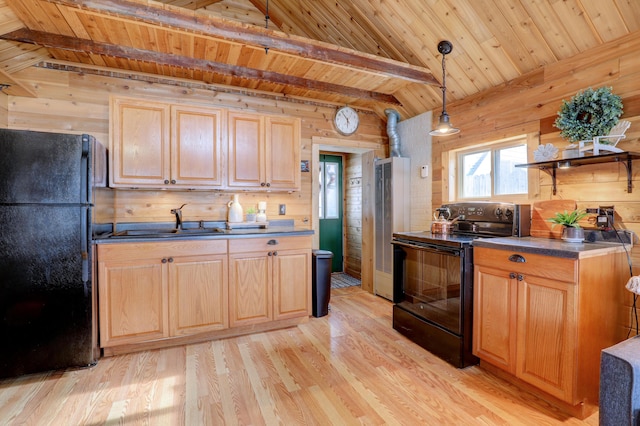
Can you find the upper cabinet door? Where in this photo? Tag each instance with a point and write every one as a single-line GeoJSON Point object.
{"type": "Point", "coordinates": [283, 152]}
{"type": "Point", "coordinates": [246, 150]}
{"type": "Point", "coordinates": [264, 152]}
{"type": "Point", "coordinates": [196, 147]}
{"type": "Point", "coordinates": [139, 144]}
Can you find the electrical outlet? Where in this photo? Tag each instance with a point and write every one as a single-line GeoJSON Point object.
{"type": "Point", "coordinates": [283, 209]}
{"type": "Point", "coordinates": [605, 216]}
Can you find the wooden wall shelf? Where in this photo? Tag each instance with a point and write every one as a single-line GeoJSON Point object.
{"type": "Point", "coordinates": [550, 167]}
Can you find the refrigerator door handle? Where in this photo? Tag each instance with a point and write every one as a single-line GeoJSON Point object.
{"type": "Point", "coordinates": [84, 244]}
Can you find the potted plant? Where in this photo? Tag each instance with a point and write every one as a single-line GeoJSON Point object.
{"type": "Point", "coordinates": [251, 214]}
{"type": "Point", "coordinates": [572, 231]}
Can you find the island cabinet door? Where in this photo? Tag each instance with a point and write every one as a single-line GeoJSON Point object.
{"type": "Point", "coordinates": [494, 317]}
{"type": "Point", "coordinates": [132, 301]}
{"type": "Point", "coordinates": [292, 283]}
{"type": "Point", "coordinates": [198, 294]}
{"type": "Point", "coordinates": [250, 289]}
{"type": "Point", "coordinates": [546, 345]}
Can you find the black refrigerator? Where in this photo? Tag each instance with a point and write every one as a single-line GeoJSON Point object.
{"type": "Point", "coordinates": [46, 294]}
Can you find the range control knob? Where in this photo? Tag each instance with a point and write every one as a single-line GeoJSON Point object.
{"type": "Point", "coordinates": [509, 213]}
{"type": "Point", "coordinates": [498, 212]}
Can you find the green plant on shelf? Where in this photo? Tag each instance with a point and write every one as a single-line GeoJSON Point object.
{"type": "Point", "coordinates": [567, 218]}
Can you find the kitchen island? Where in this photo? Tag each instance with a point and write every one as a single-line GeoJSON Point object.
{"type": "Point", "coordinates": [543, 311]}
{"type": "Point", "coordinates": [158, 290]}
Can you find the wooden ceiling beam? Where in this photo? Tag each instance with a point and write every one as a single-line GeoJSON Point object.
{"type": "Point", "coordinates": [212, 26]}
{"type": "Point", "coordinates": [57, 41]}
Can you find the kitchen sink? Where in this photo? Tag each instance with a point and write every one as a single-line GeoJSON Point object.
{"type": "Point", "coordinates": [159, 233]}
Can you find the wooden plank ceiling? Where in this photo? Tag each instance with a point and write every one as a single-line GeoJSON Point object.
{"type": "Point", "coordinates": [370, 54]}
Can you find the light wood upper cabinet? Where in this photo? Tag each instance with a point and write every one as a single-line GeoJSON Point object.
{"type": "Point", "coordinates": [139, 143]}
{"type": "Point", "coordinates": [246, 151]}
{"type": "Point", "coordinates": [264, 152]}
{"type": "Point", "coordinates": [158, 145]}
{"type": "Point", "coordinates": [196, 147]}
{"type": "Point", "coordinates": [151, 291]}
{"type": "Point", "coordinates": [283, 152]}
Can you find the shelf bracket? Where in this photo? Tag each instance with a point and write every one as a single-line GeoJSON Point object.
{"type": "Point", "coordinates": [551, 173]}
{"type": "Point", "coordinates": [628, 166]}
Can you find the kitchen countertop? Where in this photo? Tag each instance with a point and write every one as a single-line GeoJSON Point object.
{"type": "Point", "coordinates": [103, 234]}
{"type": "Point", "coordinates": [551, 247]}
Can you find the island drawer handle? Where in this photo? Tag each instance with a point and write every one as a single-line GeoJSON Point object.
{"type": "Point", "coordinates": [272, 242]}
{"type": "Point", "coordinates": [517, 258]}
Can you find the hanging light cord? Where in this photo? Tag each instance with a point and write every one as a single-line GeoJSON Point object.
{"type": "Point", "coordinates": [633, 320]}
{"type": "Point", "coordinates": [266, 24]}
{"type": "Point", "coordinates": [444, 85]}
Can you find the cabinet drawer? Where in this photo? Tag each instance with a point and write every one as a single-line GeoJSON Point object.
{"type": "Point", "coordinates": [245, 245]}
{"type": "Point", "coordinates": [559, 269]}
{"type": "Point", "coordinates": [128, 251]}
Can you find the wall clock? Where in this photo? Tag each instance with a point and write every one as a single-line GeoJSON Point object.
{"type": "Point", "coordinates": [346, 120]}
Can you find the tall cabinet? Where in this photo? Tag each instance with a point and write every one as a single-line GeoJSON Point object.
{"type": "Point", "coordinates": [391, 214]}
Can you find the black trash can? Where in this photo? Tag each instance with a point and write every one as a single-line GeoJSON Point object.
{"type": "Point", "coordinates": [321, 282]}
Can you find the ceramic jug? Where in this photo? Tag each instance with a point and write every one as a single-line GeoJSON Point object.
{"type": "Point", "coordinates": [235, 210]}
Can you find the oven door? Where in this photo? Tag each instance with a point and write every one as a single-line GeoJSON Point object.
{"type": "Point", "coordinates": [430, 280]}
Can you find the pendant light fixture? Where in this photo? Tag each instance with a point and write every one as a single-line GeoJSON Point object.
{"type": "Point", "coordinates": [444, 127]}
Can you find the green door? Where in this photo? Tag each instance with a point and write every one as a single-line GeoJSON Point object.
{"type": "Point", "coordinates": [331, 208]}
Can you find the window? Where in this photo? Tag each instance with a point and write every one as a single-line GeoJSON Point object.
{"type": "Point", "coordinates": [489, 172]}
{"type": "Point", "coordinates": [329, 192]}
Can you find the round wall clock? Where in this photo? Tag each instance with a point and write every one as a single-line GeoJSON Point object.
{"type": "Point", "coordinates": [346, 120]}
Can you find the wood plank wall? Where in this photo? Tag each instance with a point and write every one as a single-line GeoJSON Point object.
{"type": "Point", "coordinates": [353, 215]}
{"type": "Point", "coordinates": [530, 104]}
{"type": "Point", "coordinates": [79, 103]}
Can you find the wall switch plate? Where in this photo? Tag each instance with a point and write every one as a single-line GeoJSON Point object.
{"type": "Point", "coordinates": [283, 209]}
{"type": "Point", "coordinates": [424, 171]}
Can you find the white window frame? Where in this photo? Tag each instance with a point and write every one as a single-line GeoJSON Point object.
{"type": "Point", "coordinates": [494, 146]}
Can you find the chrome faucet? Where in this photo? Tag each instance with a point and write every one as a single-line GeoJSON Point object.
{"type": "Point", "coordinates": [178, 213]}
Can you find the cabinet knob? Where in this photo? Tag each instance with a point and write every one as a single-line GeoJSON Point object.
{"type": "Point", "coordinates": [263, 184]}
{"type": "Point", "coordinates": [520, 277]}
{"type": "Point", "coordinates": [275, 253]}
{"type": "Point", "coordinates": [166, 181]}
{"type": "Point", "coordinates": [268, 183]}
{"type": "Point", "coordinates": [512, 275]}
{"type": "Point", "coordinates": [171, 260]}
{"type": "Point", "coordinates": [517, 258]}
{"type": "Point", "coordinates": [173, 181]}
{"type": "Point", "coordinates": [269, 254]}
{"type": "Point", "coordinates": [164, 260]}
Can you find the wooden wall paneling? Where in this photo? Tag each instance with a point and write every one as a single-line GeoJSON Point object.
{"type": "Point", "coordinates": [368, 206]}
{"type": "Point", "coordinates": [353, 215]}
{"type": "Point", "coordinates": [531, 107]}
{"type": "Point", "coordinates": [79, 102]}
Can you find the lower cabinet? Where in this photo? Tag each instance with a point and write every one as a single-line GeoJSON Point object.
{"type": "Point", "coordinates": [269, 279]}
{"type": "Point", "coordinates": [151, 291]}
{"type": "Point", "coordinates": [545, 319]}
{"type": "Point", "coordinates": [154, 294]}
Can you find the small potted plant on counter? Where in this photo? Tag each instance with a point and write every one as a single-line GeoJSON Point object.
{"type": "Point", "coordinates": [251, 214]}
{"type": "Point", "coordinates": [572, 231]}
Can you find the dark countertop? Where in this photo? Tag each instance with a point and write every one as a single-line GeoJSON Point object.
{"type": "Point", "coordinates": [103, 233]}
{"type": "Point", "coordinates": [551, 247]}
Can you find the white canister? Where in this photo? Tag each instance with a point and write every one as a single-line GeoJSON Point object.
{"type": "Point", "coordinates": [262, 209]}
{"type": "Point", "coordinates": [235, 210]}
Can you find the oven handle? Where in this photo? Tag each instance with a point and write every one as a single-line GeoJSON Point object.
{"type": "Point", "coordinates": [428, 248]}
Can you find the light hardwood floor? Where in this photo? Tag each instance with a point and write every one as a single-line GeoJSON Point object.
{"type": "Point", "coordinates": [349, 367]}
